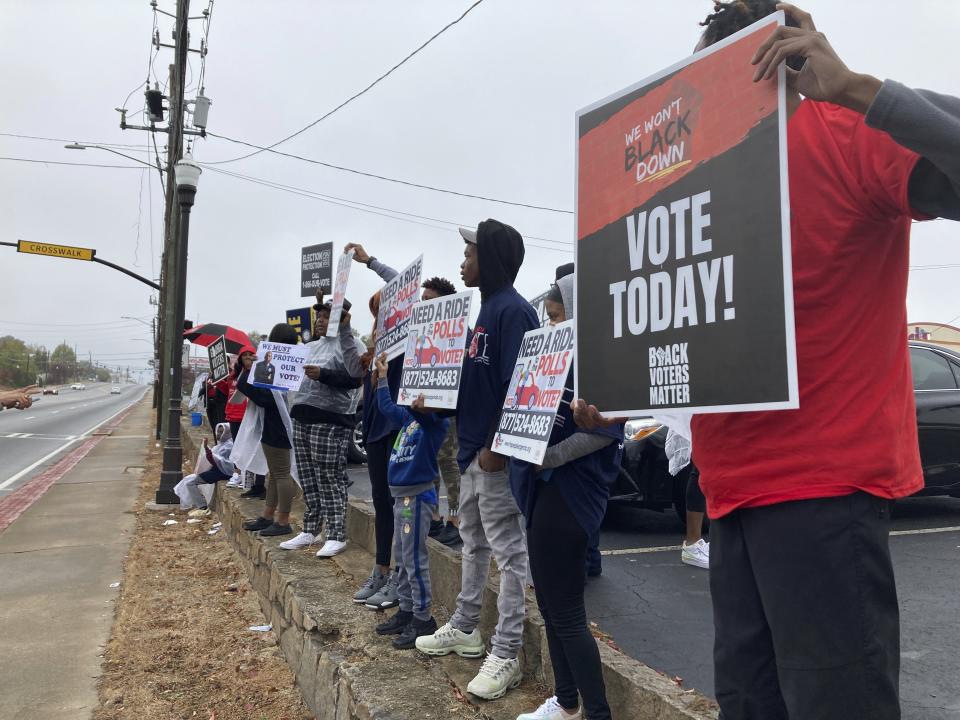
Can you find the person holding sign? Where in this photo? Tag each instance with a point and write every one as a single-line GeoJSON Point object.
{"type": "Point", "coordinates": [564, 501]}
{"type": "Point", "coordinates": [490, 521]}
{"type": "Point", "coordinates": [264, 439]}
{"type": "Point", "coordinates": [324, 415]}
{"type": "Point", "coordinates": [804, 596]}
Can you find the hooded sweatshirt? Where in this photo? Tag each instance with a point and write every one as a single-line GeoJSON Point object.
{"type": "Point", "coordinates": [504, 318]}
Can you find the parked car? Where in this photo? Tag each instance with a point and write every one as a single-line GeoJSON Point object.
{"type": "Point", "coordinates": [645, 482]}
{"type": "Point", "coordinates": [356, 452]}
{"type": "Point", "coordinates": [115, 390]}
{"type": "Point", "coordinates": [51, 391]}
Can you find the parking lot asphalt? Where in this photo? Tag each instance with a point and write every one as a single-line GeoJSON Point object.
{"type": "Point", "coordinates": [658, 610]}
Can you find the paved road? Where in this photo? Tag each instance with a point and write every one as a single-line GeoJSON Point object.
{"type": "Point", "coordinates": [658, 609]}
{"type": "Point", "coordinates": [32, 439]}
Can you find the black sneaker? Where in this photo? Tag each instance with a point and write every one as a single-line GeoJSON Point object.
{"type": "Point", "coordinates": [407, 640]}
{"type": "Point", "coordinates": [254, 492]}
{"type": "Point", "coordinates": [259, 524]}
{"type": "Point", "coordinates": [436, 527]}
{"type": "Point", "coordinates": [450, 536]}
{"type": "Point", "coordinates": [594, 571]}
{"type": "Point", "coordinates": [275, 529]}
{"type": "Point", "coordinates": [396, 624]}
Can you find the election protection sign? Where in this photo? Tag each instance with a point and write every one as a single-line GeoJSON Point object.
{"type": "Point", "coordinates": [535, 391]}
{"type": "Point", "coordinates": [279, 366]}
{"type": "Point", "coordinates": [219, 364]}
{"type": "Point", "coordinates": [433, 361]}
{"type": "Point", "coordinates": [316, 269]}
{"type": "Point", "coordinates": [684, 292]}
{"type": "Point", "coordinates": [339, 290]}
{"type": "Point", "coordinates": [397, 299]}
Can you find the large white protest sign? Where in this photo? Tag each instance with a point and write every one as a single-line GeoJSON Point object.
{"type": "Point", "coordinates": [433, 361]}
{"type": "Point", "coordinates": [279, 366]}
{"type": "Point", "coordinates": [684, 296]}
{"type": "Point", "coordinates": [396, 300]}
{"type": "Point", "coordinates": [339, 290]}
{"type": "Point", "coordinates": [535, 391]}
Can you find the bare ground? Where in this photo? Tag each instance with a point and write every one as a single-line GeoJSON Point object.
{"type": "Point", "coordinates": [180, 646]}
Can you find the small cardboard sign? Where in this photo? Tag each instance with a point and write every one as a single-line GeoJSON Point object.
{"type": "Point", "coordinates": [219, 364]}
{"type": "Point", "coordinates": [339, 290]}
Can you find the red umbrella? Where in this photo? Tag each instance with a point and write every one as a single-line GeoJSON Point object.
{"type": "Point", "coordinates": [208, 333]}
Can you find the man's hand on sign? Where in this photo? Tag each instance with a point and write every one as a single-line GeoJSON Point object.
{"type": "Point", "coordinates": [20, 398]}
{"type": "Point", "coordinates": [587, 417]}
{"type": "Point", "coordinates": [381, 365]}
{"type": "Point", "coordinates": [491, 462]}
{"type": "Point", "coordinates": [419, 405]}
{"type": "Point", "coordinates": [359, 254]}
{"type": "Point", "coordinates": [824, 76]}
{"type": "Point", "coordinates": [344, 318]}
{"type": "Point", "coordinates": [312, 371]}
{"type": "Point", "coordinates": [319, 295]}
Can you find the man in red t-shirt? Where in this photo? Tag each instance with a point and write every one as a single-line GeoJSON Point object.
{"type": "Point", "coordinates": [805, 604]}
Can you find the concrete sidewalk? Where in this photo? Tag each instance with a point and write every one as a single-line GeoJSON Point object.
{"type": "Point", "coordinates": [57, 561]}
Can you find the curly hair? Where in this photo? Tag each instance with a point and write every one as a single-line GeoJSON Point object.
{"type": "Point", "coordinates": [441, 286]}
{"type": "Point", "coordinates": [730, 17]}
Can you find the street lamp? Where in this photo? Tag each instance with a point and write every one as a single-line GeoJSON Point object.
{"type": "Point", "coordinates": [186, 175]}
{"type": "Point", "coordinates": [85, 146]}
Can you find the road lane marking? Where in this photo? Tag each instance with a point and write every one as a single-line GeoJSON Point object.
{"type": "Point", "coordinates": [927, 531]}
{"type": "Point", "coordinates": [30, 418]}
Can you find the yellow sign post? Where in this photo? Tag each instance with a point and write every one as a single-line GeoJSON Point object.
{"type": "Point", "coordinates": [61, 251]}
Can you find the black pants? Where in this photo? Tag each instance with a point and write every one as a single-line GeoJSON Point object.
{"type": "Point", "coordinates": [378, 457]}
{"type": "Point", "coordinates": [216, 411]}
{"type": "Point", "coordinates": [696, 502]}
{"type": "Point", "coordinates": [259, 481]}
{"type": "Point", "coordinates": [805, 611]}
{"type": "Point", "coordinates": [558, 551]}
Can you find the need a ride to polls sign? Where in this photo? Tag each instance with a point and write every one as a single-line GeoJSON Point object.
{"type": "Point", "coordinates": [684, 294]}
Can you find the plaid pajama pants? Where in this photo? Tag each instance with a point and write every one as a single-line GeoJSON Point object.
{"type": "Point", "coordinates": [321, 451]}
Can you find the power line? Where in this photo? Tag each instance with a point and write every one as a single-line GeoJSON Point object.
{"type": "Point", "coordinates": [355, 95]}
{"type": "Point", "coordinates": [70, 324]}
{"type": "Point", "coordinates": [408, 183]}
{"type": "Point", "coordinates": [75, 164]}
{"type": "Point", "coordinates": [66, 140]}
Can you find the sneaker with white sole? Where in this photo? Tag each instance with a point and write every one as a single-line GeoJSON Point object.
{"type": "Point", "coordinates": [551, 710]}
{"type": "Point", "coordinates": [302, 540]}
{"type": "Point", "coordinates": [235, 481]}
{"type": "Point", "coordinates": [697, 554]}
{"type": "Point", "coordinates": [199, 513]}
{"type": "Point", "coordinates": [496, 676]}
{"type": "Point", "coordinates": [371, 587]}
{"type": "Point", "coordinates": [331, 548]}
{"type": "Point", "coordinates": [387, 597]}
{"type": "Point", "coordinates": [448, 640]}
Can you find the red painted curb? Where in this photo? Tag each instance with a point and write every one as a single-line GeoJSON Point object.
{"type": "Point", "coordinates": [17, 502]}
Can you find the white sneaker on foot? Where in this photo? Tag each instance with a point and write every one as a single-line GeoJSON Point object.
{"type": "Point", "coordinates": [551, 710]}
{"type": "Point", "coordinates": [199, 513]}
{"type": "Point", "coordinates": [697, 554]}
{"type": "Point", "coordinates": [331, 548]}
{"type": "Point", "coordinates": [496, 676]}
{"type": "Point", "coordinates": [448, 639]}
{"type": "Point", "coordinates": [235, 481]}
{"type": "Point", "coordinates": [300, 541]}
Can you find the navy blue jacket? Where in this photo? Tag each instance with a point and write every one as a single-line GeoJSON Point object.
{"type": "Point", "coordinates": [413, 460]}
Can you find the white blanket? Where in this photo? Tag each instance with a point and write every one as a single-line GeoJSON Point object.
{"type": "Point", "coordinates": [247, 454]}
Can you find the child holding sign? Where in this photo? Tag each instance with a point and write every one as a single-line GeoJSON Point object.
{"type": "Point", "coordinates": [413, 466]}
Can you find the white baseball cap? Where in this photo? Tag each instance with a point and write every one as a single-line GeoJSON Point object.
{"type": "Point", "coordinates": [469, 235]}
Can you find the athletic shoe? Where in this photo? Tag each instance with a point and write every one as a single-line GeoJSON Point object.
{"type": "Point", "coordinates": [448, 640]}
{"type": "Point", "coordinates": [396, 624]}
{"type": "Point", "coordinates": [254, 492]}
{"type": "Point", "coordinates": [496, 676]}
{"type": "Point", "coordinates": [594, 571]}
{"type": "Point", "coordinates": [371, 587]}
{"type": "Point", "coordinates": [331, 548]}
{"type": "Point", "coordinates": [697, 554]}
{"type": "Point", "coordinates": [387, 596]}
{"type": "Point", "coordinates": [275, 530]}
{"type": "Point", "coordinates": [199, 513]}
{"type": "Point", "coordinates": [259, 524]}
{"type": "Point", "coordinates": [302, 540]}
{"type": "Point", "coordinates": [235, 481]}
{"type": "Point", "coordinates": [436, 527]}
{"type": "Point", "coordinates": [450, 536]}
{"type": "Point", "coordinates": [551, 710]}
{"type": "Point", "coordinates": [407, 639]}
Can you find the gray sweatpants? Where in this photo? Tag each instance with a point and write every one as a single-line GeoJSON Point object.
{"type": "Point", "coordinates": [411, 523]}
{"type": "Point", "coordinates": [491, 524]}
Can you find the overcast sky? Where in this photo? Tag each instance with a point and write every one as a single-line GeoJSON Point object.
{"type": "Point", "coordinates": [487, 109]}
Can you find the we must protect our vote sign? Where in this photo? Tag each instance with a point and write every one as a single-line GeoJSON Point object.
{"type": "Point", "coordinates": [436, 343]}
{"type": "Point", "coordinates": [535, 392]}
{"type": "Point", "coordinates": [279, 366]}
{"type": "Point", "coordinates": [684, 294]}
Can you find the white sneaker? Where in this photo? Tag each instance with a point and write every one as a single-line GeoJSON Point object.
{"type": "Point", "coordinates": [331, 548]}
{"type": "Point", "coordinates": [496, 676]}
{"type": "Point", "coordinates": [697, 554]}
{"type": "Point", "coordinates": [302, 540]}
{"type": "Point", "coordinates": [235, 481]}
{"type": "Point", "coordinates": [448, 639]}
{"type": "Point", "coordinates": [199, 513]}
{"type": "Point", "coordinates": [551, 710]}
